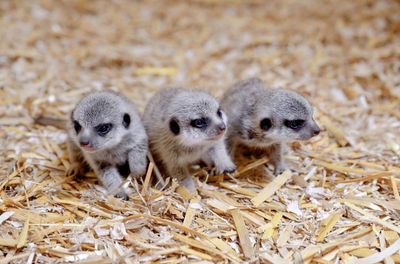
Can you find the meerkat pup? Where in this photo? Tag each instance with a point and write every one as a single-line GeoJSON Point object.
{"type": "Point", "coordinates": [106, 131]}
{"type": "Point", "coordinates": [184, 127]}
{"type": "Point", "coordinates": [262, 119]}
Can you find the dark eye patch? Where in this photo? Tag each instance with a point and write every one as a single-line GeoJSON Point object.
{"type": "Point", "coordinates": [174, 126]}
{"type": "Point", "coordinates": [199, 123]}
{"type": "Point", "coordinates": [265, 124]}
{"type": "Point", "coordinates": [77, 127]}
{"type": "Point", "coordinates": [294, 124]}
{"type": "Point", "coordinates": [126, 120]}
{"type": "Point", "coordinates": [219, 113]}
{"type": "Point", "coordinates": [103, 129]}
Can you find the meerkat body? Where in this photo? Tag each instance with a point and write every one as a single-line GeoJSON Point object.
{"type": "Point", "coordinates": [263, 119]}
{"type": "Point", "coordinates": [106, 131]}
{"type": "Point", "coordinates": [186, 126]}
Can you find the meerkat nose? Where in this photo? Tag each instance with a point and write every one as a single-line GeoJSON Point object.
{"type": "Point", "coordinates": [316, 131]}
{"type": "Point", "coordinates": [222, 127]}
{"type": "Point", "coordinates": [84, 142]}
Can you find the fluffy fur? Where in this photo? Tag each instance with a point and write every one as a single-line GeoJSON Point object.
{"type": "Point", "coordinates": [184, 127]}
{"type": "Point", "coordinates": [106, 131]}
{"type": "Point", "coordinates": [263, 119]}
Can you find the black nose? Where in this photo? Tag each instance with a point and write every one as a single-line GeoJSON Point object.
{"type": "Point", "coordinates": [84, 143]}
{"type": "Point", "coordinates": [316, 131]}
{"type": "Point", "coordinates": [222, 127]}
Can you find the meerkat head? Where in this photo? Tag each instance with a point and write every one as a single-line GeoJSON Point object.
{"type": "Point", "coordinates": [99, 122]}
{"type": "Point", "coordinates": [196, 119]}
{"type": "Point", "coordinates": [284, 116]}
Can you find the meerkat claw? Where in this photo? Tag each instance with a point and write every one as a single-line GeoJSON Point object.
{"type": "Point", "coordinates": [229, 170]}
{"type": "Point", "coordinates": [122, 195]}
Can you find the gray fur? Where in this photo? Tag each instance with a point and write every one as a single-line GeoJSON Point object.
{"type": "Point", "coordinates": [121, 148]}
{"type": "Point", "coordinates": [174, 153]}
{"type": "Point", "coordinates": [249, 101]}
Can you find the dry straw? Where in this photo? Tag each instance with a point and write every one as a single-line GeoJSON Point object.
{"type": "Point", "coordinates": [340, 204]}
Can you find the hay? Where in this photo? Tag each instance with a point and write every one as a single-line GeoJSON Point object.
{"type": "Point", "coordinates": [341, 203]}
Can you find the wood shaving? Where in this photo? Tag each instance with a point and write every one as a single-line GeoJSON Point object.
{"type": "Point", "coordinates": [339, 203]}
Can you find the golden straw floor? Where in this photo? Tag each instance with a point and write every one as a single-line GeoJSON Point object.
{"type": "Point", "coordinates": [341, 205]}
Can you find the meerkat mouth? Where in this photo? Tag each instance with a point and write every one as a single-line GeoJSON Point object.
{"type": "Point", "coordinates": [215, 138]}
{"type": "Point", "coordinates": [89, 149]}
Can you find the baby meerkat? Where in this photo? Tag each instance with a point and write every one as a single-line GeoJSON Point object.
{"type": "Point", "coordinates": [184, 127]}
{"type": "Point", "coordinates": [106, 131]}
{"type": "Point", "coordinates": [262, 119]}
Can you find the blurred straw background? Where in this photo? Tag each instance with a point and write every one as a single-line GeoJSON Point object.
{"type": "Point", "coordinates": [342, 203]}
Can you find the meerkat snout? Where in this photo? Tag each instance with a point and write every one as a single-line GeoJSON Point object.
{"type": "Point", "coordinates": [195, 127]}
{"type": "Point", "coordinates": [315, 129]}
{"type": "Point", "coordinates": [221, 128]}
{"type": "Point", "coordinates": [264, 118]}
{"type": "Point", "coordinates": [312, 129]}
{"type": "Point", "coordinates": [220, 124]}
{"type": "Point", "coordinates": [84, 141]}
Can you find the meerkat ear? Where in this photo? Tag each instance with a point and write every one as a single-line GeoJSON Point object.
{"type": "Point", "coordinates": [126, 120]}
{"type": "Point", "coordinates": [174, 126]}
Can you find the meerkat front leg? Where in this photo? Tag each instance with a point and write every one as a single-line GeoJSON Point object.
{"type": "Point", "coordinates": [183, 176]}
{"type": "Point", "coordinates": [137, 159]}
{"type": "Point", "coordinates": [232, 147]}
{"type": "Point", "coordinates": [219, 157]}
{"type": "Point", "coordinates": [276, 156]}
{"type": "Point", "coordinates": [76, 159]}
{"type": "Point", "coordinates": [112, 181]}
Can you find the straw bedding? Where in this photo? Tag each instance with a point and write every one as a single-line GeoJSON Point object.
{"type": "Point", "coordinates": [341, 203]}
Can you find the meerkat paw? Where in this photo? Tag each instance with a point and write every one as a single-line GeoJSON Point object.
{"type": "Point", "coordinates": [189, 184]}
{"type": "Point", "coordinates": [119, 193]}
{"type": "Point", "coordinates": [122, 195]}
{"type": "Point", "coordinates": [113, 182]}
{"type": "Point", "coordinates": [72, 171]}
{"type": "Point", "coordinates": [280, 168]}
{"type": "Point", "coordinates": [139, 171]}
{"type": "Point", "coordinates": [75, 169]}
{"type": "Point", "coordinates": [229, 167]}
{"type": "Point", "coordinates": [138, 168]}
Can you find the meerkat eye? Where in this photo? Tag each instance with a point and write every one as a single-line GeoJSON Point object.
{"type": "Point", "coordinates": [77, 127]}
{"type": "Point", "coordinates": [265, 124]}
{"type": "Point", "coordinates": [219, 113]}
{"type": "Point", "coordinates": [294, 124]}
{"type": "Point", "coordinates": [103, 129]}
{"type": "Point", "coordinates": [199, 123]}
